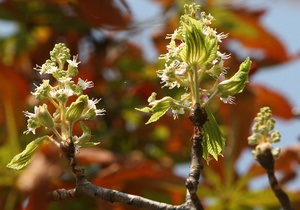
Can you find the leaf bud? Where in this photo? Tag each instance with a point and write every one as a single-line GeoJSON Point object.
{"type": "Point", "coordinates": [237, 82]}
{"type": "Point", "coordinates": [75, 110]}
{"type": "Point", "coordinates": [44, 117]}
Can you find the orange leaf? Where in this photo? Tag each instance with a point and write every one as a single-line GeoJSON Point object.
{"type": "Point", "coordinates": [245, 26]}
{"type": "Point", "coordinates": [105, 13]}
{"type": "Point", "coordinates": [279, 105]}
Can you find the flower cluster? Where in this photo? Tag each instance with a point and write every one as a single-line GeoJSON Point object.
{"type": "Point", "coordinates": [263, 136]}
{"type": "Point", "coordinates": [193, 54]}
{"type": "Point", "coordinates": [67, 111]}
{"type": "Point", "coordinates": [64, 116]}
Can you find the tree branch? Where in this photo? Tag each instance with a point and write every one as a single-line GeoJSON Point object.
{"type": "Point", "coordinates": [266, 160]}
{"type": "Point", "coordinates": [198, 118]}
{"type": "Point", "coordinates": [84, 187]}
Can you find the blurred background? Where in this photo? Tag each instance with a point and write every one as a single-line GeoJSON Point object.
{"type": "Point", "coordinates": [118, 43]}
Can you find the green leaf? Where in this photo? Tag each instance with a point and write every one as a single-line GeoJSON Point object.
{"type": "Point", "coordinates": [23, 159]}
{"type": "Point", "coordinates": [158, 109]}
{"type": "Point", "coordinates": [237, 82]}
{"type": "Point", "coordinates": [213, 142]}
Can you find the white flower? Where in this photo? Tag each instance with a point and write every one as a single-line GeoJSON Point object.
{"type": "Point", "coordinates": [32, 122]}
{"type": "Point", "coordinates": [176, 112]}
{"type": "Point", "coordinates": [85, 84]}
{"type": "Point", "coordinates": [31, 115]}
{"type": "Point", "coordinates": [228, 99]}
{"type": "Point", "coordinates": [181, 69]}
{"type": "Point", "coordinates": [42, 90]}
{"type": "Point", "coordinates": [74, 62]}
{"type": "Point", "coordinates": [46, 69]}
{"type": "Point", "coordinates": [92, 105]}
{"type": "Point", "coordinates": [223, 56]}
{"type": "Point", "coordinates": [64, 80]}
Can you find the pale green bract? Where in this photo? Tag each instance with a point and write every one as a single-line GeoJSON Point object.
{"type": "Point", "coordinates": [158, 109]}
{"type": "Point", "coordinates": [23, 159]}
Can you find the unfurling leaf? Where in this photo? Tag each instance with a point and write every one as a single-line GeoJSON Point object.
{"type": "Point", "coordinates": [23, 159]}
{"type": "Point", "coordinates": [84, 139]}
{"type": "Point", "coordinates": [158, 109]}
{"type": "Point", "coordinates": [237, 82]}
{"type": "Point", "coordinates": [213, 142]}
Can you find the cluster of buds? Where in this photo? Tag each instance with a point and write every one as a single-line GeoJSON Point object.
{"type": "Point", "coordinates": [64, 117]}
{"type": "Point", "coordinates": [193, 54]}
{"type": "Point", "coordinates": [263, 135]}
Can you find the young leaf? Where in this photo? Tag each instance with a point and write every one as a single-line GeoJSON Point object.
{"type": "Point", "coordinates": [214, 142]}
{"type": "Point", "coordinates": [159, 108]}
{"type": "Point", "coordinates": [23, 159]}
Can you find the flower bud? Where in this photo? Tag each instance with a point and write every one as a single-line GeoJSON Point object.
{"type": "Point", "coordinates": [276, 153]}
{"type": "Point", "coordinates": [44, 117]}
{"type": "Point", "coordinates": [261, 148]}
{"type": "Point", "coordinates": [275, 137]}
{"type": "Point", "coordinates": [72, 70]}
{"type": "Point", "coordinates": [254, 139]}
{"type": "Point", "coordinates": [237, 82]}
{"type": "Point", "coordinates": [74, 112]}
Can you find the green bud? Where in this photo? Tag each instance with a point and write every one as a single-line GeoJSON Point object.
{"type": "Point", "coordinates": [275, 137]}
{"type": "Point", "coordinates": [60, 53]}
{"type": "Point", "coordinates": [72, 71]}
{"type": "Point", "coordinates": [276, 153]}
{"type": "Point", "coordinates": [152, 98]}
{"type": "Point", "coordinates": [43, 91]}
{"type": "Point", "coordinates": [237, 82]}
{"type": "Point", "coordinates": [74, 112]}
{"type": "Point", "coordinates": [254, 139]}
{"type": "Point", "coordinates": [90, 114]}
{"type": "Point", "coordinates": [44, 117]}
{"type": "Point", "coordinates": [262, 147]}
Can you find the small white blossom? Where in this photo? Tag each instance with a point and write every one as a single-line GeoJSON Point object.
{"type": "Point", "coordinates": [32, 122]}
{"type": "Point", "coordinates": [181, 70]}
{"type": "Point", "coordinates": [85, 84]}
{"type": "Point", "coordinates": [223, 56]}
{"type": "Point", "coordinates": [74, 62]}
{"type": "Point", "coordinates": [92, 105]}
{"type": "Point", "coordinates": [176, 112]}
{"type": "Point", "coordinates": [65, 80]}
{"type": "Point", "coordinates": [55, 93]}
{"type": "Point", "coordinates": [228, 99]}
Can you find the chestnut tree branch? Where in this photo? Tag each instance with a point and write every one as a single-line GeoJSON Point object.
{"type": "Point", "coordinates": [266, 160]}
{"type": "Point", "coordinates": [84, 187]}
{"type": "Point", "coordinates": [198, 118]}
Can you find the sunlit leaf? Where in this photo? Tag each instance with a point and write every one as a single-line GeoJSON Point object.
{"type": "Point", "coordinates": [213, 142]}
{"type": "Point", "coordinates": [158, 109]}
{"type": "Point", "coordinates": [23, 159]}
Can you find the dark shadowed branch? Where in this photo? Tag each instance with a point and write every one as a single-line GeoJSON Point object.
{"type": "Point", "coordinates": [266, 160]}
{"type": "Point", "coordinates": [198, 118]}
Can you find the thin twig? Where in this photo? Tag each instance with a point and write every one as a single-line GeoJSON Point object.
{"type": "Point", "coordinates": [266, 160]}
{"type": "Point", "coordinates": [198, 118]}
